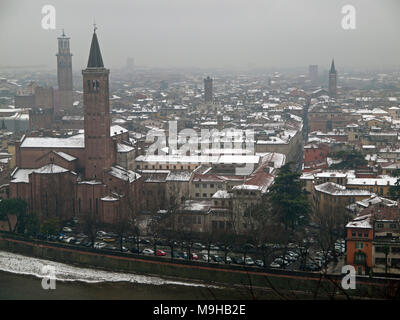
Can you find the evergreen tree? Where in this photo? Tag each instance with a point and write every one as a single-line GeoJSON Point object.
{"type": "Point", "coordinates": [351, 159]}
{"type": "Point", "coordinates": [288, 199]}
{"type": "Point", "coordinates": [13, 206]}
{"type": "Point", "coordinates": [394, 191]}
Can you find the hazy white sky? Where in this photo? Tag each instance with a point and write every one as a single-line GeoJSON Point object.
{"type": "Point", "coordinates": [205, 33]}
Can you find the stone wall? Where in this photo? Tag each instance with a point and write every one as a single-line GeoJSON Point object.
{"type": "Point", "coordinates": [210, 273]}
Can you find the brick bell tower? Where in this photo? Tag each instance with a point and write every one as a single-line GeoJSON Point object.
{"type": "Point", "coordinates": [64, 73]}
{"type": "Point", "coordinates": [99, 150]}
{"type": "Point", "coordinates": [333, 80]}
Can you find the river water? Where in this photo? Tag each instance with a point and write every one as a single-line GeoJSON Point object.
{"type": "Point", "coordinates": [21, 278]}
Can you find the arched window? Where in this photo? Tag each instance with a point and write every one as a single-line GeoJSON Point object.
{"type": "Point", "coordinates": [360, 257]}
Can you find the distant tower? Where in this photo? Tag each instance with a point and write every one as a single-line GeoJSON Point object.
{"type": "Point", "coordinates": [313, 73]}
{"type": "Point", "coordinates": [64, 73]}
{"type": "Point", "coordinates": [220, 122]}
{"type": "Point", "coordinates": [332, 80]}
{"type": "Point", "coordinates": [99, 155]}
{"type": "Point", "coordinates": [130, 63]}
{"type": "Point", "coordinates": [208, 89]}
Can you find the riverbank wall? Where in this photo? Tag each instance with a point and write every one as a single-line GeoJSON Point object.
{"type": "Point", "coordinates": [213, 274]}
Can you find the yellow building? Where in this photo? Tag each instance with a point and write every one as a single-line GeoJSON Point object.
{"type": "Point", "coordinates": [332, 195]}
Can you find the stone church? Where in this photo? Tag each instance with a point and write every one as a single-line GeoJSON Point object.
{"type": "Point", "coordinates": [70, 176]}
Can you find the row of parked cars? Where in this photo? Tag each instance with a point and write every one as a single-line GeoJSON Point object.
{"type": "Point", "coordinates": [107, 241]}
{"type": "Point", "coordinates": [285, 260]}
{"type": "Point", "coordinates": [201, 257]}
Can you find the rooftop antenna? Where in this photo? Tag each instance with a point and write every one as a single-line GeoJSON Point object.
{"type": "Point", "coordinates": [63, 33]}
{"type": "Point", "coordinates": [94, 25]}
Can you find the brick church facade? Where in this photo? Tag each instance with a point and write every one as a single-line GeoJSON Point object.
{"type": "Point", "coordinates": [76, 175]}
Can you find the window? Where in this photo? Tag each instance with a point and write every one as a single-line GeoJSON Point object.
{"type": "Point", "coordinates": [197, 195]}
{"type": "Point", "coordinates": [204, 185]}
{"type": "Point", "coordinates": [359, 257]}
{"type": "Point", "coordinates": [219, 186]}
{"type": "Point", "coordinates": [196, 185]}
{"type": "Point", "coordinates": [204, 195]}
{"type": "Point", "coordinates": [395, 263]}
{"type": "Point", "coordinates": [381, 261]}
{"type": "Point", "coordinates": [366, 235]}
{"type": "Point", "coordinates": [395, 250]}
{"type": "Point", "coordinates": [380, 225]}
{"type": "Point", "coordinates": [359, 245]}
{"type": "Point", "coordinates": [353, 234]}
{"type": "Point", "coordinates": [212, 185]}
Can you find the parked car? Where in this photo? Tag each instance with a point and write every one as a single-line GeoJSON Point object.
{"type": "Point", "coordinates": [67, 229]}
{"type": "Point", "coordinates": [144, 241]}
{"type": "Point", "coordinates": [228, 260]}
{"type": "Point", "coordinates": [160, 253]}
{"type": "Point", "coordinates": [184, 255]}
{"type": "Point", "coordinates": [238, 260]}
{"type": "Point", "coordinates": [309, 266]}
{"type": "Point", "coordinates": [87, 243]}
{"type": "Point", "coordinates": [205, 257]}
{"type": "Point", "coordinates": [290, 258]}
{"type": "Point", "coordinates": [170, 243]}
{"type": "Point", "coordinates": [70, 240]}
{"type": "Point", "coordinates": [136, 250]}
{"type": "Point", "coordinates": [108, 239]}
{"type": "Point", "coordinates": [194, 256]}
{"type": "Point", "coordinates": [175, 254]}
{"type": "Point", "coordinates": [147, 251]}
{"type": "Point", "coordinates": [259, 263]}
{"type": "Point", "coordinates": [281, 261]}
{"type": "Point", "coordinates": [216, 258]}
{"type": "Point", "coordinates": [101, 233]}
{"type": "Point", "coordinates": [198, 245]}
{"type": "Point", "coordinates": [275, 265]}
{"type": "Point", "coordinates": [99, 245]}
{"type": "Point", "coordinates": [249, 261]}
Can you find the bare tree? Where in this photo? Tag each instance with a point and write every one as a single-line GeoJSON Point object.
{"type": "Point", "coordinates": [90, 224]}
